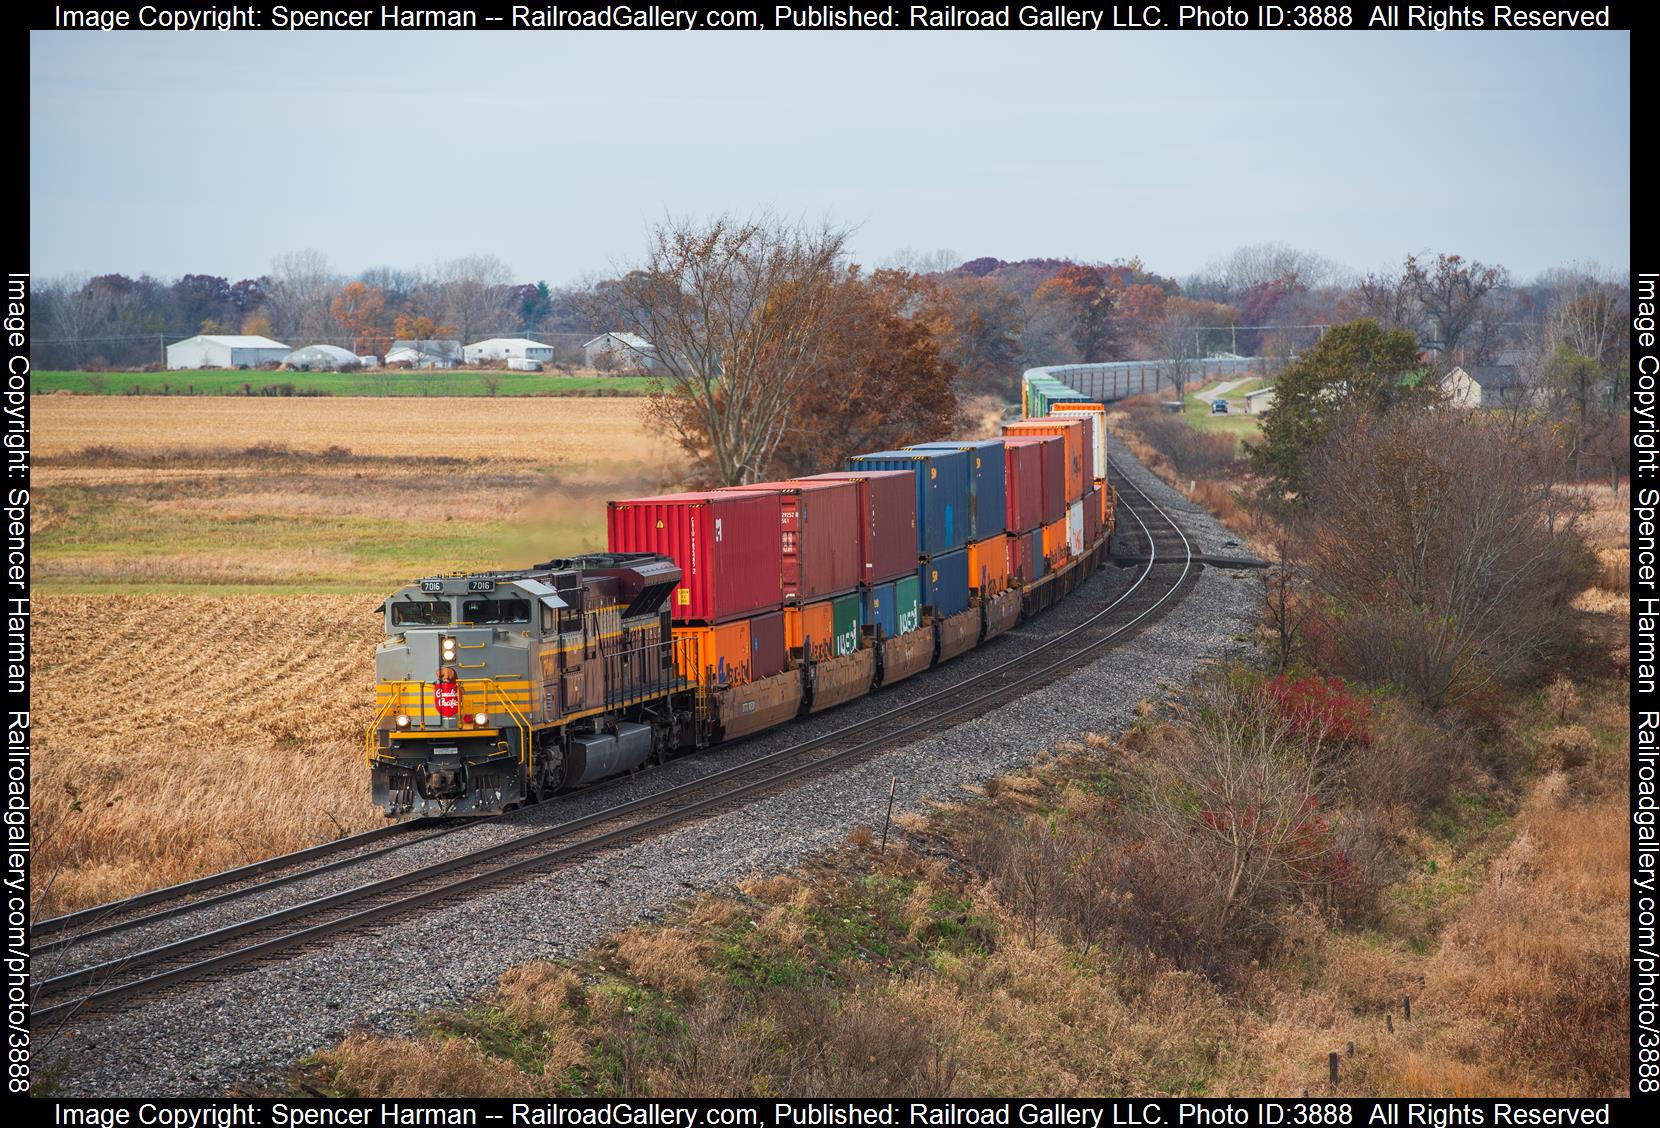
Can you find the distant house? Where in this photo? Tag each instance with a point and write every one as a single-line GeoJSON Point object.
{"type": "Point", "coordinates": [626, 351]}
{"type": "Point", "coordinates": [1259, 401]}
{"type": "Point", "coordinates": [214, 351]}
{"type": "Point", "coordinates": [1484, 385]}
{"type": "Point", "coordinates": [508, 348]}
{"type": "Point", "coordinates": [321, 358]}
{"type": "Point", "coordinates": [425, 353]}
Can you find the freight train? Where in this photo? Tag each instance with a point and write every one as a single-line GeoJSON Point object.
{"type": "Point", "coordinates": [719, 614]}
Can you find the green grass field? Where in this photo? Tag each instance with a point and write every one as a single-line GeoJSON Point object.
{"type": "Point", "coordinates": [374, 382]}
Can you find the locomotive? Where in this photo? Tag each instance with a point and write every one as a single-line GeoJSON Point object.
{"type": "Point", "coordinates": [501, 688]}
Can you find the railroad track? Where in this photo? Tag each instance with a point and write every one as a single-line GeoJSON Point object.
{"type": "Point", "coordinates": [1168, 563]}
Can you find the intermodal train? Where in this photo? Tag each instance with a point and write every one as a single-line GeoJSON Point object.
{"type": "Point", "coordinates": [716, 615]}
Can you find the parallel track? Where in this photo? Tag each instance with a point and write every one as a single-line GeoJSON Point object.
{"type": "Point", "coordinates": [1168, 564]}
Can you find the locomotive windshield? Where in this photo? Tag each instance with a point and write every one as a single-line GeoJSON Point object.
{"type": "Point", "coordinates": [495, 611]}
{"type": "Point", "coordinates": [421, 613]}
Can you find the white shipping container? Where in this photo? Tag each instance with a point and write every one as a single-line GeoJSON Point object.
{"type": "Point", "coordinates": [1075, 528]}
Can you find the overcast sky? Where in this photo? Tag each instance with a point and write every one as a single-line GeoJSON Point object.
{"type": "Point", "coordinates": [215, 152]}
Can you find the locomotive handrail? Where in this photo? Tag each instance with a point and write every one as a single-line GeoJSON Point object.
{"type": "Point", "coordinates": [370, 744]}
{"type": "Point", "coordinates": [520, 721]}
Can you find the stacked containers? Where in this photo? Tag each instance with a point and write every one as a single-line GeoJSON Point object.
{"type": "Point", "coordinates": [1026, 560]}
{"type": "Point", "coordinates": [1079, 457]}
{"type": "Point", "coordinates": [942, 498]}
{"type": "Point", "coordinates": [893, 608]}
{"type": "Point", "coordinates": [1097, 415]}
{"type": "Point", "coordinates": [1053, 476]}
{"type": "Point", "coordinates": [1023, 472]}
{"type": "Point", "coordinates": [726, 544]}
{"type": "Point", "coordinates": [944, 583]}
{"type": "Point", "coordinates": [986, 477]}
{"type": "Point", "coordinates": [768, 653]}
{"type": "Point", "coordinates": [819, 547]}
{"type": "Point", "coordinates": [887, 532]}
{"type": "Point", "coordinates": [988, 495]}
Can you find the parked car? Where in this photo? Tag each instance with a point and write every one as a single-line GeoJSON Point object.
{"type": "Point", "coordinates": [1218, 407]}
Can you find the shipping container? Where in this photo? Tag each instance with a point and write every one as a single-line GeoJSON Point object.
{"type": "Point", "coordinates": [881, 611]}
{"type": "Point", "coordinates": [1096, 413]}
{"type": "Point", "coordinates": [1023, 484]}
{"type": "Point", "coordinates": [988, 565]}
{"type": "Point", "coordinates": [1092, 516]}
{"type": "Point", "coordinates": [715, 656]}
{"type": "Point", "coordinates": [847, 613]}
{"type": "Point", "coordinates": [769, 653]}
{"type": "Point", "coordinates": [1052, 481]}
{"type": "Point", "coordinates": [887, 529]}
{"type": "Point", "coordinates": [819, 548]}
{"type": "Point", "coordinates": [1026, 562]}
{"type": "Point", "coordinates": [944, 583]}
{"type": "Point", "coordinates": [1054, 543]}
{"type": "Point", "coordinates": [986, 485]}
{"type": "Point", "coordinates": [907, 596]}
{"type": "Point", "coordinates": [1075, 528]}
{"type": "Point", "coordinates": [726, 544]}
{"type": "Point", "coordinates": [1073, 431]}
{"type": "Point", "coordinates": [942, 503]}
{"type": "Point", "coordinates": [1039, 391]}
{"type": "Point", "coordinates": [810, 630]}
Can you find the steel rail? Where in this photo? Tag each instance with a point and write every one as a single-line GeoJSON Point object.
{"type": "Point", "coordinates": [105, 995]}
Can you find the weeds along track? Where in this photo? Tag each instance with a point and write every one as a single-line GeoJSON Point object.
{"type": "Point", "coordinates": [1165, 566]}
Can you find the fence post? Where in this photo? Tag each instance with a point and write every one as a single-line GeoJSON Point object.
{"type": "Point", "coordinates": [1351, 1049]}
{"type": "Point", "coordinates": [893, 784]}
{"type": "Point", "coordinates": [1332, 1061]}
{"type": "Point", "coordinates": [1389, 1022]}
{"type": "Point", "coordinates": [1406, 1008]}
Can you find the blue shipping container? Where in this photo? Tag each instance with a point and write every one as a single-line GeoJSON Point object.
{"type": "Point", "coordinates": [942, 499]}
{"type": "Point", "coordinates": [881, 610]}
{"type": "Point", "coordinates": [988, 509]}
{"type": "Point", "coordinates": [944, 581]}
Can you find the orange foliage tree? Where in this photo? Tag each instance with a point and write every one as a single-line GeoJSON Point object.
{"type": "Point", "coordinates": [361, 311]}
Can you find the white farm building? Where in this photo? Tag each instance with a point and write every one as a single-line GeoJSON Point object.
{"type": "Point", "coordinates": [226, 352]}
{"type": "Point", "coordinates": [627, 351]}
{"type": "Point", "coordinates": [507, 348]}
{"type": "Point", "coordinates": [322, 358]}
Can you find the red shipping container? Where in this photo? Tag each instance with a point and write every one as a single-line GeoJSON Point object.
{"type": "Point", "coordinates": [887, 532]}
{"type": "Point", "coordinates": [1092, 516]}
{"type": "Point", "coordinates": [1023, 475]}
{"type": "Point", "coordinates": [1053, 478]}
{"type": "Point", "coordinates": [1076, 433]}
{"type": "Point", "coordinates": [769, 654]}
{"type": "Point", "coordinates": [726, 544]}
{"type": "Point", "coordinates": [820, 547]}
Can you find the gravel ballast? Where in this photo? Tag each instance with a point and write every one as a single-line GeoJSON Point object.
{"type": "Point", "coordinates": [250, 1026]}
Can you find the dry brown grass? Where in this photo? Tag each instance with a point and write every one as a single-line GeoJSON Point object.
{"type": "Point", "coordinates": [177, 736]}
{"type": "Point", "coordinates": [570, 432]}
{"type": "Point", "coordinates": [428, 1067]}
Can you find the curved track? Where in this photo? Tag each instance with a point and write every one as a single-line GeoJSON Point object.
{"type": "Point", "coordinates": [81, 992]}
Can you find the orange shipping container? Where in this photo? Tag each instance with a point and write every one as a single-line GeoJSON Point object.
{"type": "Point", "coordinates": [1054, 543]}
{"type": "Point", "coordinates": [1075, 433]}
{"type": "Point", "coordinates": [1096, 414]}
{"type": "Point", "coordinates": [810, 630]}
{"type": "Point", "coordinates": [718, 655]}
{"type": "Point", "coordinates": [988, 565]}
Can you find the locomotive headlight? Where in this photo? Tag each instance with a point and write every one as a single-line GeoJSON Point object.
{"type": "Point", "coordinates": [481, 719]}
{"type": "Point", "coordinates": [401, 720]}
{"type": "Point", "coordinates": [446, 646]}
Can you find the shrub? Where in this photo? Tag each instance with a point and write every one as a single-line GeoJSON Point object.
{"type": "Point", "coordinates": [1566, 746]}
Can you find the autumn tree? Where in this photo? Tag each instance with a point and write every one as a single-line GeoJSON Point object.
{"type": "Point", "coordinates": [1089, 299]}
{"type": "Point", "coordinates": [887, 382]}
{"type": "Point", "coordinates": [738, 312]}
{"type": "Point", "coordinates": [361, 312]}
{"type": "Point", "coordinates": [1355, 368]}
{"type": "Point", "coordinates": [983, 338]}
{"type": "Point", "coordinates": [1452, 294]}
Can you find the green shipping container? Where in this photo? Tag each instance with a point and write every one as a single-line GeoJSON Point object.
{"type": "Point", "coordinates": [907, 604]}
{"type": "Point", "coordinates": [846, 612]}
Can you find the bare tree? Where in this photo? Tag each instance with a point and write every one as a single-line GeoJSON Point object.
{"type": "Point", "coordinates": [736, 311]}
{"type": "Point", "coordinates": [1177, 342]}
{"type": "Point", "coordinates": [471, 293]}
{"type": "Point", "coordinates": [299, 296]}
{"type": "Point", "coordinates": [1446, 552]}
